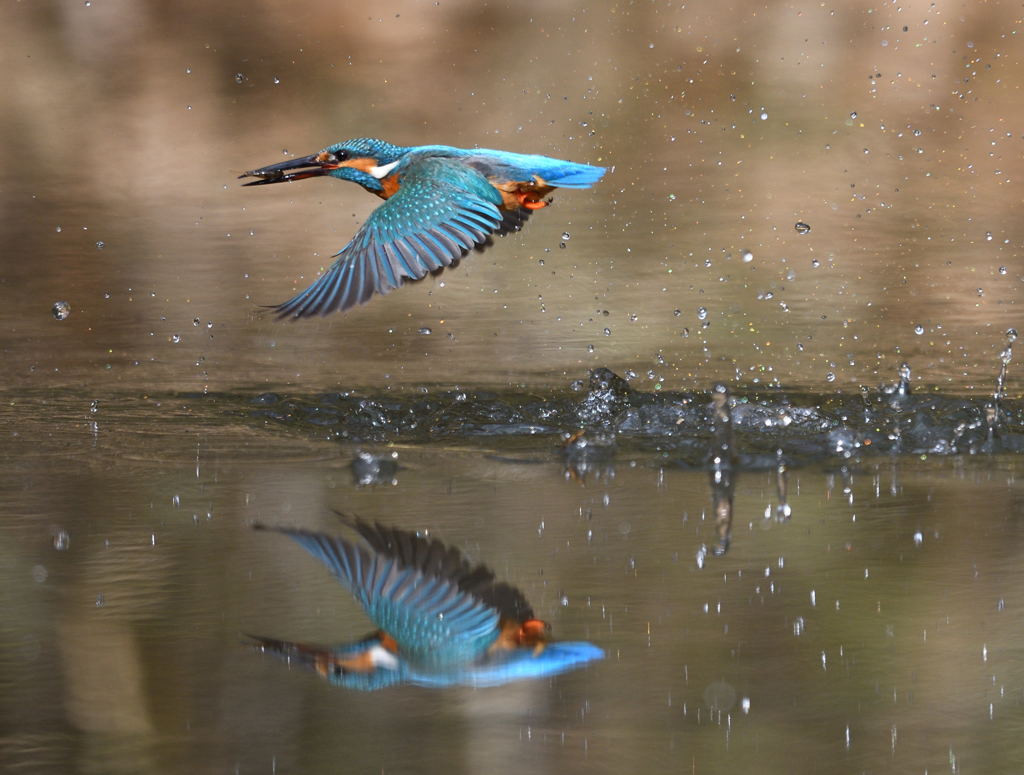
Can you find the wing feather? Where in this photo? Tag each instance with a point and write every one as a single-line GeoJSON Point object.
{"type": "Point", "coordinates": [431, 617]}
{"type": "Point", "coordinates": [442, 210]}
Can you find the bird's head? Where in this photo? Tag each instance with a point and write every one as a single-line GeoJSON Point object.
{"type": "Point", "coordinates": [365, 161]}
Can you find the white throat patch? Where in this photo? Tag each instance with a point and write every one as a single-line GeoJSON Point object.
{"type": "Point", "coordinates": [381, 657]}
{"type": "Point", "coordinates": [383, 172]}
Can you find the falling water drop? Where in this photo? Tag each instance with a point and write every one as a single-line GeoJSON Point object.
{"type": "Point", "coordinates": [61, 310]}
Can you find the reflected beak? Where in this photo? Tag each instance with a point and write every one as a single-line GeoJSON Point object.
{"type": "Point", "coordinates": [294, 169]}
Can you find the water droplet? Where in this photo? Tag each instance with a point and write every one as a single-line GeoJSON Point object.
{"type": "Point", "coordinates": [702, 556]}
{"type": "Point", "coordinates": [853, 115]}
{"type": "Point", "coordinates": [276, 80]}
{"type": "Point", "coordinates": [59, 228]}
{"type": "Point", "coordinates": [101, 600]}
{"type": "Point", "coordinates": [1002, 270]}
{"type": "Point", "coordinates": [1011, 335]}
{"type": "Point", "coordinates": [798, 626]}
{"type": "Point", "coordinates": [607, 332]}
{"type": "Point", "coordinates": [702, 313]}
{"type": "Point", "coordinates": [918, 538]}
{"type": "Point", "coordinates": [919, 329]}
{"type": "Point", "coordinates": [61, 310]}
{"type": "Point", "coordinates": [802, 227]}
{"type": "Point", "coordinates": [565, 236]}
{"type": "Point", "coordinates": [174, 339]}
{"type": "Point", "coordinates": [830, 377]}
{"type": "Point", "coordinates": [747, 256]}
{"type": "Point", "coordinates": [61, 540]}
{"type": "Point", "coordinates": [564, 600]}
{"type": "Point", "coordinates": [241, 78]}
{"type": "Point", "coordinates": [677, 312]}
{"type": "Point", "coordinates": [425, 331]}
{"type": "Point", "coordinates": [815, 263]}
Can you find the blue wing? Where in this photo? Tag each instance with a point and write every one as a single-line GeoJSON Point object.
{"type": "Point", "coordinates": [442, 211]}
{"type": "Point", "coordinates": [522, 166]}
{"type": "Point", "coordinates": [506, 166]}
{"type": "Point", "coordinates": [433, 621]}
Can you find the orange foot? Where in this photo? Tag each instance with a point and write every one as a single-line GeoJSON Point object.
{"type": "Point", "coordinates": [530, 200]}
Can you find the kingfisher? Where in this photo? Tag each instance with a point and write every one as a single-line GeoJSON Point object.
{"type": "Point", "coordinates": [439, 203]}
{"type": "Point", "coordinates": [440, 621]}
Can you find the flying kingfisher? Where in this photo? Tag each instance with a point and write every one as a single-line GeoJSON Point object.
{"type": "Point", "coordinates": [440, 203]}
{"type": "Point", "coordinates": [440, 620]}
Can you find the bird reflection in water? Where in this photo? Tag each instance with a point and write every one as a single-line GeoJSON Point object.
{"type": "Point", "coordinates": [440, 620]}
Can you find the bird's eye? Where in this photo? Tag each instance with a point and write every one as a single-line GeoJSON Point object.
{"type": "Point", "coordinates": [341, 155]}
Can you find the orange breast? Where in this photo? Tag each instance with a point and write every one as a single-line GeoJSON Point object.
{"type": "Point", "coordinates": [390, 185]}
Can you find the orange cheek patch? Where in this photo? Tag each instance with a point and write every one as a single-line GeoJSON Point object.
{"type": "Point", "coordinates": [363, 163]}
{"type": "Point", "coordinates": [327, 664]}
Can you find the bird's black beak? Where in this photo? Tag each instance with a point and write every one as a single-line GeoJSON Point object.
{"type": "Point", "coordinates": [311, 166]}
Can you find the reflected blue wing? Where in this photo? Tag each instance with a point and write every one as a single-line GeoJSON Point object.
{"type": "Point", "coordinates": [516, 665]}
{"type": "Point", "coordinates": [433, 621]}
{"type": "Point", "coordinates": [442, 210]}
